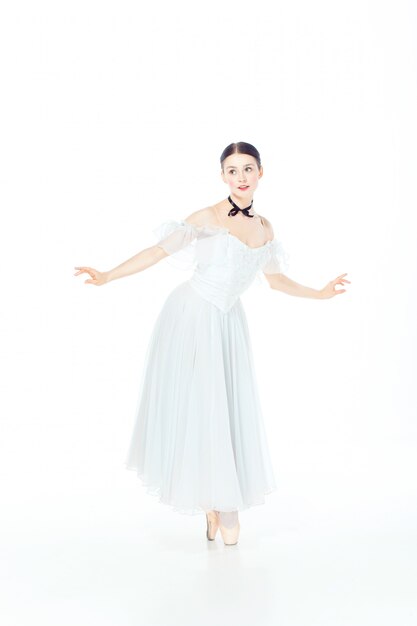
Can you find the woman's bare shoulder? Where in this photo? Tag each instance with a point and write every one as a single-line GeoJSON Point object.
{"type": "Point", "coordinates": [202, 217]}
{"type": "Point", "coordinates": [268, 227]}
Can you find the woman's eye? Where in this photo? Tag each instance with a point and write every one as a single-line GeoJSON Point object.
{"type": "Point", "coordinates": [248, 168]}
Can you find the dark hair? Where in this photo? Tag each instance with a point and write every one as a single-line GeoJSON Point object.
{"type": "Point", "coordinates": [241, 147]}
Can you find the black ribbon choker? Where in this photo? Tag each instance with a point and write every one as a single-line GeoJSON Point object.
{"type": "Point", "coordinates": [236, 209]}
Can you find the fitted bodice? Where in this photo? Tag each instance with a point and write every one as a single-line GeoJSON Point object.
{"type": "Point", "coordinates": [223, 266]}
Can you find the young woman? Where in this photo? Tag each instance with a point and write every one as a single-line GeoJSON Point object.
{"type": "Point", "coordinates": [199, 442]}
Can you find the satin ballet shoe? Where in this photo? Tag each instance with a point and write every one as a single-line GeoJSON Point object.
{"type": "Point", "coordinates": [212, 518]}
{"type": "Point", "coordinates": [230, 536]}
{"type": "Point", "coordinates": [229, 527]}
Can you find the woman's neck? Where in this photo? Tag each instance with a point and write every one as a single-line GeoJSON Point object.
{"type": "Point", "coordinates": [241, 203]}
{"type": "Point", "coordinates": [222, 209]}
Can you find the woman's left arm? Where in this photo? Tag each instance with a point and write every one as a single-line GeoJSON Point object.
{"type": "Point", "coordinates": [281, 282]}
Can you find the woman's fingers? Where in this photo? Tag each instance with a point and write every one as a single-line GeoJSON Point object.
{"type": "Point", "coordinates": [83, 270]}
{"type": "Point", "coordinates": [96, 277]}
{"type": "Point", "coordinates": [345, 280]}
{"type": "Point", "coordinates": [340, 281]}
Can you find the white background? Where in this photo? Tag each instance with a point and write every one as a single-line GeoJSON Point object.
{"type": "Point", "coordinates": [114, 116]}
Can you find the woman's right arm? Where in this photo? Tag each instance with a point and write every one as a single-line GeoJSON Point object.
{"type": "Point", "coordinates": [141, 261]}
{"type": "Point", "coordinates": [178, 235]}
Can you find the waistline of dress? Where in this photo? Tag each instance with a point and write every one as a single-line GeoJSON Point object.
{"type": "Point", "coordinates": [215, 302]}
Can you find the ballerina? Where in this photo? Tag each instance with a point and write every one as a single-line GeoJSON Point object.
{"type": "Point", "coordinates": [198, 441]}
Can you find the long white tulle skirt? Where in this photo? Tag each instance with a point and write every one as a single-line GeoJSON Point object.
{"type": "Point", "coordinates": [198, 441]}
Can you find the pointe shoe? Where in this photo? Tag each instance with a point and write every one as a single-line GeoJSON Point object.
{"type": "Point", "coordinates": [212, 518]}
{"type": "Point", "coordinates": [230, 536]}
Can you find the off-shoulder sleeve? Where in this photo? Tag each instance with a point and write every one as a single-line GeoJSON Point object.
{"type": "Point", "coordinates": [178, 238]}
{"type": "Point", "coordinates": [277, 261]}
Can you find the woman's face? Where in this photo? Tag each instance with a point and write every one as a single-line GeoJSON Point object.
{"type": "Point", "coordinates": [241, 173]}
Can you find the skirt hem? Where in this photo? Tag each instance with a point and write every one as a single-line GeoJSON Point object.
{"type": "Point", "coordinates": [155, 490]}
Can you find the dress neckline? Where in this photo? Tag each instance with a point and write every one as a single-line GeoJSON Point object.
{"type": "Point", "coordinates": [227, 231]}
{"type": "Point", "coordinates": [245, 244]}
{"type": "Point", "coordinates": [223, 229]}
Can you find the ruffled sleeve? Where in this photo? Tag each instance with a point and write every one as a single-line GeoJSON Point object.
{"type": "Point", "coordinates": [277, 261]}
{"type": "Point", "coordinates": [178, 238]}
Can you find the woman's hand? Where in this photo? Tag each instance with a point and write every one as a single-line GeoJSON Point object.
{"type": "Point", "coordinates": [330, 289]}
{"type": "Point", "coordinates": [97, 278]}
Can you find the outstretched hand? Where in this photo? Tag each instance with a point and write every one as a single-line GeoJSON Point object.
{"type": "Point", "coordinates": [97, 278]}
{"type": "Point", "coordinates": [330, 289]}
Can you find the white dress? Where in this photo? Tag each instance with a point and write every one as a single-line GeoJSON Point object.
{"type": "Point", "coordinates": [198, 441]}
